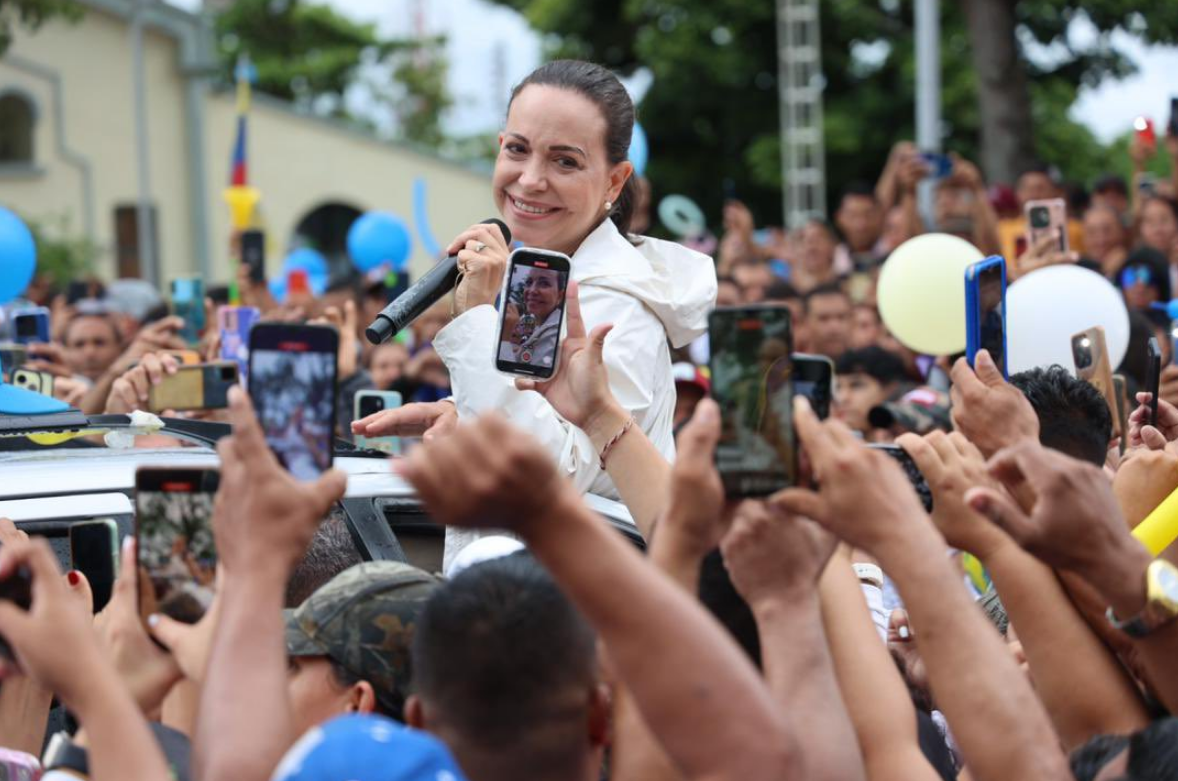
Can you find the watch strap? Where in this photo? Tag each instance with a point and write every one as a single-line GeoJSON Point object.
{"type": "Point", "coordinates": [1158, 611]}
{"type": "Point", "coordinates": [63, 754]}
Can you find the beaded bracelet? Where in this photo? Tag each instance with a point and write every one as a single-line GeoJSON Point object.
{"type": "Point", "coordinates": [609, 445]}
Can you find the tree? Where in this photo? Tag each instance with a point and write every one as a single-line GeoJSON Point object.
{"type": "Point", "coordinates": [31, 14]}
{"type": "Point", "coordinates": [712, 116]}
{"type": "Point", "coordinates": [312, 56]}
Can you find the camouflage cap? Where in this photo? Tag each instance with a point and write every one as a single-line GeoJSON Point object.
{"type": "Point", "coordinates": [363, 619]}
{"type": "Point", "coordinates": [920, 411]}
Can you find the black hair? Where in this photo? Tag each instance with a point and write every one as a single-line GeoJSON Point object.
{"type": "Point", "coordinates": [497, 650]}
{"type": "Point", "coordinates": [1073, 416]}
{"type": "Point", "coordinates": [874, 361]}
{"type": "Point", "coordinates": [1111, 183]}
{"type": "Point", "coordinates": [332, 551]}
{"type": "Point", "coordinates": [603, 88]}
{"type": "Point", "coordinates": [782, 291]}
{"type": "Point", "coordinates": [1158, 266]}
{"type": "Point", "coordinates": [1169, 203]}
{"type": "Point", "coordinates": [390, 703]}
{"type": "Point", "coordinates": [825, 289]}
{"type": "Point", "coordinates": [1153, 753]}
{"type": "Point", "coordinates": [218, 294]}
{"type": "Point", "coordinates": [103, 315]}
{"type": "Point", "coordinates": [859, 189]}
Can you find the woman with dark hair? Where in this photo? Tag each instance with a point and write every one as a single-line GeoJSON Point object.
{"type": "Point", "coordinates": [562, 182]}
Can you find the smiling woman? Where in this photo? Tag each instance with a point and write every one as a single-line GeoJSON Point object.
{"type": "Point", "coordinates": [562, 182]}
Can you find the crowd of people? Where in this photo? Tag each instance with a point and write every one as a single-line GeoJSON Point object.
{"type": "Point", "coordinates": [835, 629]}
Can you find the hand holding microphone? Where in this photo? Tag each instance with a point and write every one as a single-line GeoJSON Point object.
{"type": "Point", "coordinates": [482, 254]}
{"type": "Point", "coordinates": [481, 251]}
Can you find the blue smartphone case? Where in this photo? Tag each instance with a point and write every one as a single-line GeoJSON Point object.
{"type": "Point", "coordinates": [973, 308]}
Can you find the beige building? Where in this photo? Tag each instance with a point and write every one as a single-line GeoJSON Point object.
{"type": "Point", "coordinates": [69, 145]}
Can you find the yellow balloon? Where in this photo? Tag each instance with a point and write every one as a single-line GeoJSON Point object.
{"type": "Point", "coordinates": [921, 292]}
{"type": "Point", "coordinates": [242, 200]}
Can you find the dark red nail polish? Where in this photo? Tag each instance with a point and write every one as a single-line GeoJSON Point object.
{"type": "Point", "coordinates": [72, 577]}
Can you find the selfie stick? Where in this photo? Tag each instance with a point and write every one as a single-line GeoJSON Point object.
{"type": "Point", "coordinates": [1160, 527]}
{"type": "Point", "coordinates": [423, 294]}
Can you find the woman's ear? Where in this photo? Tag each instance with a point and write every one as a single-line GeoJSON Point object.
{"type": "Point", "coordinates": [617, 179]}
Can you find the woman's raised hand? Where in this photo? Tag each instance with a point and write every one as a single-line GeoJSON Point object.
{"type": "Point", "coordinates": [482, 259]}
{"type": "Point", "coordinates": [579, 390]}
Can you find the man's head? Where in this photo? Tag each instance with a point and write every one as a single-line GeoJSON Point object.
{"type": "Point", "coordinates": [859, 218]}
{"type": "Point", "coordinates": [1111, 191]}
{"type": "Point", "coordinates": [1150, 754]}
{"type": "Point", "coordinates": [866, 326]}
{"type": "Point", "coordinates": [1073, 416]}
{"type": "Point", "coordinates": [728, 292]}
{"type": "Point", "coordinates": [503, 659]}
{"type": "Point", "coordinates": [1103, 231]}
{"type": "Point", "coordinates": [92, 344]}
{"type": "Point", "coordinates": [828, 320]}
{"type": "Point", "coordinates": [784, 293]}
{"type": "Point", "coordinates": [332, 551]}
{"type": "Point", "coordinates": [388, 364]}
{"type": "Point", "coordinates": [349, 642]}
{"type": "Point", "coordinates": [818, 245]}
{"type": "Point", "coordinates": [1036, 184]}
{"type": "Point", "coordinates": [866, 378]}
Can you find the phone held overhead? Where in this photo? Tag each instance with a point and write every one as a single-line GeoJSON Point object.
{"type": "Point", "coordinates": [985, 310]}
{"type": "Point", "coordinates": [532, 313]}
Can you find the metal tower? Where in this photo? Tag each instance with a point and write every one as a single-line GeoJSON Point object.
{"type": "Point", "coordinates": [799, 88]}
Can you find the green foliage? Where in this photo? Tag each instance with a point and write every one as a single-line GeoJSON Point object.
{"type": "Point", "coordinates": [712, 115]}
{"type": "Point", "coordinates": [310, 55]}
{"type": "Point", "coordinates": [31, 14]}
{"type": "Point", "coordinates": [62, 255]}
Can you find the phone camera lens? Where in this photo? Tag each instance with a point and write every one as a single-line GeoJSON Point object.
{"type": "Point", "coordinates": [1040, 218]}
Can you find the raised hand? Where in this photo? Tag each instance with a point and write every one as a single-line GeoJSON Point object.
{"type": "Point", "coordinates": [988, 410]}
{"type": "Point", "coordinates": [951, 465]}
{"type": "Point", "coordinates": [130, 391]}
{"type": "Point", "coordinates": [695, 519]}
{"type": "Point", "coordinates": [772, 555]}
{"type": "Point", "coordinates": [482, 258]}
{"type": "Point", "coordinates": [427, 420]}
{"type": "Point", "coordinates": [345, 323]}
{"type": "Point", "coordinates": [1142, 433]}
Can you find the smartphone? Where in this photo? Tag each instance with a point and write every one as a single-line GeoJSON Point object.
{"type": "Point", "coordinates": [174, 541]}
{"type": "Point", "coordinates": [1143, 128]}
{"type": "Point", "coordinates": [985, 310]}
{"type": "Point", "coordinates": [1174, 342]}
{"type": "Point", "coordinates": [253, 254]}
{"type": "Point", "coordinates": [12, 357]}
{"type": "Point", "coordinates": [188, 303]}
{"type": "Point", "coordinates": [76, 291]}
{"type": "Point", "coordinates": [1121, 414]}
{"type": "Point", "coordinates": [533, 313]}
{"type": "Point", "coordinates": [1153, 375]}
{"type": "Point", "coordinates": [369, 402]}
{"type": "Point", "coordinates": [915, 478]}
{"type": "Point", "coordinates": [292, 370]}
{"type": "Point", "coordinates": [18, 589]}
{"type": "Point", "coordinates": [18, 766]}
{"type": "Point", "coordinates": [1090, 354]}
{"type": "Point", "coordinates": [234, 324]}
{"type": "Point", "coordinates": [1173, 126]}
{"type": "Point", "coordinates": [752, 381]}
{"type": "Point", "coordinates": [37, 382]}
{"type": "Point", "coordinates": [940, 166]}
{"type": "Point", "coordinates": [185, 357]}
{"type": "Point", "coordinates": [204, 386]}
{"type": "Point", "coordinates": [1047, 217]}
{"type": "Point", "coordinates": [31, 326]}
{"type": "Point", "coordinates": [94, 551]}
{"type": "Point", "coordinates": [813, 377]}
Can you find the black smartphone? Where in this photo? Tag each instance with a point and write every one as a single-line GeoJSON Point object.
{"type": "Point", "coordinates": [1153, 376]}
{"type": "Point", "coordinates": [174, 540]}
{"type": "Point", "coordinates": [94, 549]}
{"type": "Point", "coordinates": [292, 371]}
{"type": "Point", "coordinates": [752, 381]}
{"type": "Point", "coordinates": [253, 254]}
{"type": "Point", "coordinates": [919, 484]}
{"type": "Point", "coordinates": [813, 378]}
{"type": "Point", "coordinates": [532, 313]}
{"type": "Point", "coordinates": [17, 588]}
{"type": "Point", "coordinates": [1174, 117]}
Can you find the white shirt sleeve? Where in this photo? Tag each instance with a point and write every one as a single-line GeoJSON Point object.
{"type": "Point", "coordinates": [467, 345]}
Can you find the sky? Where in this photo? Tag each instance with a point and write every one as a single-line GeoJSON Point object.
{"type": "Point", "coordinates": [491, 47]}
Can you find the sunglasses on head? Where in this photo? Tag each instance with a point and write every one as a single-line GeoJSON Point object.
{"type": "Point", "coordinates": [1138, 275]}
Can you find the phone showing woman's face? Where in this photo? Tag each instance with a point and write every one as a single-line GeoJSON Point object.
{"type": "Point", "coordinates": [552, 177]}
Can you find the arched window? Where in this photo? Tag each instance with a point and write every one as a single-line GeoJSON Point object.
{"type": "Point", "coordinates": [16, 129]}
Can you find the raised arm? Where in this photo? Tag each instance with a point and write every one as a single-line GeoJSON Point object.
{"type": "Point", "coordinates": [263, 521]}
{"type": "Point", "coordinates": [701, 697]}
{"type": "Point", "coordinates": [866, 499]}
{"type": "Point", "coordinates": [1058, 644]}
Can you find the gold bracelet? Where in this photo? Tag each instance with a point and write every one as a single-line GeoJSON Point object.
{"type": "Point", "coordinates": [609, 445]}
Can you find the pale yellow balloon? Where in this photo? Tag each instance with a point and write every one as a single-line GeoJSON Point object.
{"type": "Point", "coordinates": [921, 292]}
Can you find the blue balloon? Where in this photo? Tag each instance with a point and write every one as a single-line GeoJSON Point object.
{"type": "Point", "coordinates": [18, 256]}
{"type": "Point", "coordinates": [421, 220]}
{"type": "Point", "coordinates": [377, 239]}
{"type": "Point", "coordinates": [639, 150]}
{"type": "Point", "coordinates": [278, 289]}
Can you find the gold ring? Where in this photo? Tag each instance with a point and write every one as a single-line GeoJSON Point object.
{"type": "Point", "coordinates": [479, 247]}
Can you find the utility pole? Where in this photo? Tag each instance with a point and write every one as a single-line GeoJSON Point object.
{"type": "Point", "coordinates": [799, 89]}
{"type": "Point", "coordinates": [145, 229]}
{"type": "Point", "coordinates": [928, 93]}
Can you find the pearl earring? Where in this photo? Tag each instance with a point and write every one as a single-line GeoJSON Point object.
{"type": "Point", "coordinates": [609, 205]}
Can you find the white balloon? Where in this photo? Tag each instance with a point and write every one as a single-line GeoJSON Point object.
{"type": "Point", "coordinates": [1046, 307]}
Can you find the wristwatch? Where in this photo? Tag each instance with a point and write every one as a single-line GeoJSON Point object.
{"type": "Point", "coordinates": [869, 573]}
{"type": "Point", "coordinates": [1161, 603]}
{"type": "Point", "coordinates": [63, 754]}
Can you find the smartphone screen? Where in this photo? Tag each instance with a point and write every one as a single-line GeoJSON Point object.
{"type": "Point", "coordinates": [31, 327]}
{"type": "Point", "coordinates": [1153, 374]}
{"type": "Point", "coordinates": [174, 538]}
{"type": "Point", "coordinates": [813, 377]}
{"type": "Point", "coordinates": [234, 323]}
{"type": "Point", "coordinates": [94, 547]}
{"type": "Point", "coordinates": [752, 382]}
{"type": "Point", "coordinates": [532, 313]}
{"type": "Point", "coordinates": [292, 370]}
{"type": "Point", "coordinates": [253, 254]}
{"type": "Point", "coordinates": [188, 303]}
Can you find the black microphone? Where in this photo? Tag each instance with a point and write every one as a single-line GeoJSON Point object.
{"type": "Point", "coordinates": [423, 294]}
